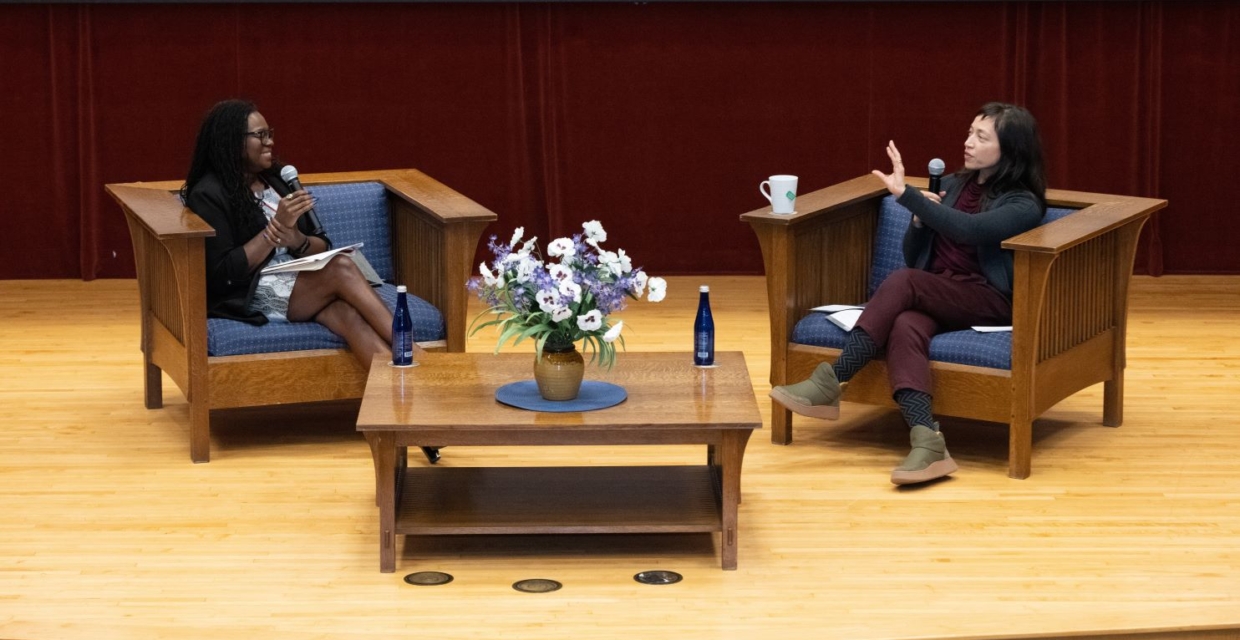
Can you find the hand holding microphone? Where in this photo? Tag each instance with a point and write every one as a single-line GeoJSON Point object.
{"type": "Point", "coordinates": [299, 204]}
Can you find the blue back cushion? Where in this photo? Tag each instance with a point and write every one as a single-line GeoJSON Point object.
{"type": "Point", "coordinates": [962, 347]}
{"type": "Point", "coordinates": [350, 213]}
{"type": "Point", "coordinates": [893, 219]}
{"type": "Point", "coordinates": [358, 212]}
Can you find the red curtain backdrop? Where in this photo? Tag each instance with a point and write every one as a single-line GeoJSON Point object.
{"type": "Point", "coordinates": [658, 119]}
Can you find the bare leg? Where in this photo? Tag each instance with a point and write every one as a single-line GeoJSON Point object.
{"type": "Point", "coordinates": [346, 322]}
{"type": "Point", "coordinates": [340, 280]}
{"type": "Point", "coordinates": [339, 298]}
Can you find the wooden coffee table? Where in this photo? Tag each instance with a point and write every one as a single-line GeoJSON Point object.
{"type": "Point", "coordinates": [450, 400]}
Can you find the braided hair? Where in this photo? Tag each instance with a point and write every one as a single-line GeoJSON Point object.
{"type": "Point", "coordinates": [218, 150]}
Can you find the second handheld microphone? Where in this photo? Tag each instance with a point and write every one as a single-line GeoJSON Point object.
{"type": "Point", "coordinates": [936, 175]}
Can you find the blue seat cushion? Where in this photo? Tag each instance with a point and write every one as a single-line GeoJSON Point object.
{"type": "Point", "coordinates": [969, 347]}
{"type": "Point", "coordinates": [234, 338]}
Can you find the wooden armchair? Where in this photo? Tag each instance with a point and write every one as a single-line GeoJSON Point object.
{"type": "Point", "coordinates": [433, 233]}
{"type": "Point", "coordinates": [1070, 305]}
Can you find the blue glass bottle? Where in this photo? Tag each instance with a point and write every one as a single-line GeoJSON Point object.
{"type": "Point", "coordinates": [402, 331]}
{"type": "Point", "coordinates": [704, 331]}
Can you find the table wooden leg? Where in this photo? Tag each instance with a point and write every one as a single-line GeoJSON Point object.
{"type": "Point", "coordinates": [373, 441]}
{"type": "Point", "coordinates": [733, 452]}
{"type": "Point", "coordinates": [385, 471]}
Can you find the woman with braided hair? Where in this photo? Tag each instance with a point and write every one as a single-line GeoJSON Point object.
{"type": "Point", "coordinates": [234, 185]}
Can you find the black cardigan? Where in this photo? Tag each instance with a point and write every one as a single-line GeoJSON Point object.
{"type": "Point", "coordinates": [230, 281]}
{"type": "Point", "coordinates": [1010, 214]}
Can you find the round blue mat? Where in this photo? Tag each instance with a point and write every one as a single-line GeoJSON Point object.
{"type": "Point", "coordinates": [593, 395]}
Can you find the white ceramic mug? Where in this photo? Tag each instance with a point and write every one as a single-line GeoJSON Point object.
{"type": "Point", "coordinates": [782, 194]}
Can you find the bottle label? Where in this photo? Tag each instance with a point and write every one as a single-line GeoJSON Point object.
{"type": "Point", "coordinates": [402, 348]}
{"type": "Point", "coordinates": [703, 348]}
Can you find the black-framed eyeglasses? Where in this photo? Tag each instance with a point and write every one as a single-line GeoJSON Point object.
{"type": "Point", "coordinates": [263, 135]}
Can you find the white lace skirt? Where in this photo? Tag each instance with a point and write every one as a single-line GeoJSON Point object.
{"type": "Point", "coordinates": [273, 291]}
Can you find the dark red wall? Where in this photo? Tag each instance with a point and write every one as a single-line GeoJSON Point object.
{"type": "Point", "coordinates": [658, 119]}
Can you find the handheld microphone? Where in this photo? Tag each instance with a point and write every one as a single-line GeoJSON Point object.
{"type": "Point", "coordinates": [289, 175]}
{"type": "Point", "coordinates": [936, 175]}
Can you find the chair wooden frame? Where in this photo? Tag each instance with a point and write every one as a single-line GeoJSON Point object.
{"type": "Point", "coordinates": [1070, 305]}
{"type": "Point", "coordinates": [435, 232]}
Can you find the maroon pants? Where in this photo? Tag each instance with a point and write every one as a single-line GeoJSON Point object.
{"type": "Point", "coordinates": [912, 305]}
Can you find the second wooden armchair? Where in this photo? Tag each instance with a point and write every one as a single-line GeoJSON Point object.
{"type": "Point", "coordinates": [1070, 305]}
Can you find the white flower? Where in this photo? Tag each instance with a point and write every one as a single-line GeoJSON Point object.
{"type": "Point", "coordinates": [658, 289]}
{"type": "Point", "coordinates": [525, 269]}
{"type": "Point", "coordinates": [570, 289]}
{"type": "Point", "coordinates": [613, 332]}
{"type": "Point", "coordinates": [487, 276]}
{"type": "Point", "coordinates": [560, 314]}
{"type": "Point", "coordinates": [548, 301]}
{"type": "Point", "coordinates": [516, 236]}
{"type": "Point", "coordinates": [594, 232]}
{"type": "Point", "coordinates": [590, 321]}
{"type": "Point", "coordinates": [626, 263]}
{"type": "Point", "coordinates": [529, 246]}
{"type": "Point", "coordinates": [559, 272]}
{"type": "Point", "coordinates": [639, 283]}
{"type": "Point", "coordinates": [610, 260]}
{"type": "Point", "coordinates": [561, 247]}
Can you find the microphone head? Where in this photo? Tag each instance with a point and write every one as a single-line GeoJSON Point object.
{"type": "Point", "coordinates": [936, 167]}
{"type": "Point", "coordinates": [289, 172]}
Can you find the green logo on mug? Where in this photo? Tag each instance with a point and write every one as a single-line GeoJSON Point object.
{"type": "Point", "coordinates": [790, 195]}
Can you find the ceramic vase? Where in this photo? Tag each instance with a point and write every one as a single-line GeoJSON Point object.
{"type": "Point", "coordinates": [558, 372]}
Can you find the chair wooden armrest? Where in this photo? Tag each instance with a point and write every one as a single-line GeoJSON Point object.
{"type": "Point", "coordinates": [434, 231]}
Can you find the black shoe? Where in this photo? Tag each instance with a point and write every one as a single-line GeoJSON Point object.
{"type": "Point", "coordinates": [432, 454]}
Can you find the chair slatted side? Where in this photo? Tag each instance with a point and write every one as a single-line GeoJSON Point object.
{"type": "Point", "coordinates": [1080, 301]}
{"type": "Point", "coordinates": [418, 251]}
{"type": "Point", "coordinates": [158, 278]}
{"type": "Point", "coordinates": [833, 258]}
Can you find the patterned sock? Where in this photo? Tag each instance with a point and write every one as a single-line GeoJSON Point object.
{"type": "Point", "coordinates": [858, 350]}
{"type": "Point", "coordinates": [915, 407]}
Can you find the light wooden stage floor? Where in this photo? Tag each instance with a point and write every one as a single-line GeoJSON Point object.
{"type": "Point", "coordinates": [108, 531]}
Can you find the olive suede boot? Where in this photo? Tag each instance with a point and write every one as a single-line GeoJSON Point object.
{"type": "Point", "coordinates": [929, 459]}
{"type": "Point", "coordinates": [817, 397]}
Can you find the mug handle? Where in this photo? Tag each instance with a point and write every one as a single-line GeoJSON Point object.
{"type": "Point", "coordinates": [764, 192]}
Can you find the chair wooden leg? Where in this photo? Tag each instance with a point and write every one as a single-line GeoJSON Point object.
{"type": "Point", "coordinates": [153, 387]}
{"type": "Point", "coordinates": [199, 431]}
{"type": "Point", "coordinates": [781, 424]}
{"type": "Point", "coordinates": [1113, 401]}
{"type": "Point", "coordinates": [1020, 448]}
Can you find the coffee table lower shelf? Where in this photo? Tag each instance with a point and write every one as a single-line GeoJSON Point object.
{"type": "Point", "coordinates": [558, 500]}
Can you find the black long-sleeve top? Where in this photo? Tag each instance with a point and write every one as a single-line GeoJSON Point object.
{"type": "Point", "coordinates": [1010, 214]}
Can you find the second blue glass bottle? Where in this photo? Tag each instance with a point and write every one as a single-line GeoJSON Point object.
{"type": "Point", "coordinates": [704, 331]}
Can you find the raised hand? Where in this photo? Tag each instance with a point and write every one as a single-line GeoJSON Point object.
{"type": "Point", "coordinates": [895, 180]}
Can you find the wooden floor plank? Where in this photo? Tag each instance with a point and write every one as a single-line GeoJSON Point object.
{"type": "Point", "coordinates": [107, 531]}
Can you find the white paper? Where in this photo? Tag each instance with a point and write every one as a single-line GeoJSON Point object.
{"type": "Point", "coordinates": [832, 308]}
{"type": "Point", "coordinates": [991, 329]}
{"type": "Point", "coordinates": [845, 319]}
{"type": "Point", "coordinates": [309, 263]}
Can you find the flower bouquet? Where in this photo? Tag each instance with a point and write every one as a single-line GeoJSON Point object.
{"type": "Point", "coordinates": [563, 302]}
